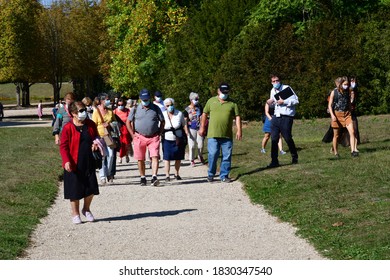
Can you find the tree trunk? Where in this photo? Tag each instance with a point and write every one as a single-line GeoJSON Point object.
{"type": "Point", "coordinates": [17, 94]}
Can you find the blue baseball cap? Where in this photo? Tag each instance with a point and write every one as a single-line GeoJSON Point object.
{"type": "Point", "coordinates": [144, 94]}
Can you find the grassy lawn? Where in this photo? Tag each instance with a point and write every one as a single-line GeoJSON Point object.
{"type": "Point", "coordinates": [29, 170]}
{"type": "Point", "coordinates": [341, 206]}
{"type": "Point", "coordinates": [39, 91]}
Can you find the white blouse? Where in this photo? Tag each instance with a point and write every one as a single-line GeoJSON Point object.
{"type": "Point", "coordinates": [177, 121]}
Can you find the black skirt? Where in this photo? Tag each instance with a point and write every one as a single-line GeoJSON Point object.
{"type": "Point", "coordinates": [82, 182]}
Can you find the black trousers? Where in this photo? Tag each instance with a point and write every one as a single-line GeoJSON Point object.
{"type": "Point", "coordinates": [282, 125]}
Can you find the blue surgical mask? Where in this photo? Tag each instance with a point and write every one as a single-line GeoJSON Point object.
{"type": "Point", "coordinates": [107, 103]}
{"type": "Point", "coordinates": [121, 107]}
{"type": "Point", "coordinates": [171, 108]}
{"type": "Point", "coordinates": [223, 96]}
{"type": "Point", "coordinates": [276, 85]}
{"type": "Point", "coordinates": [158, 99]}
{"type": "Point", "coordinates": [145, 102]}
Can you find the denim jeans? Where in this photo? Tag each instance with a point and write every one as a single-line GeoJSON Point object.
{"type": "Point", "coordinates": [108, 164]}
{"type": "Point", "coordinates": [214, 145]}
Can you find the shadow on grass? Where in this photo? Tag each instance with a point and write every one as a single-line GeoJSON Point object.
{"type": "Point", "coordinates": [250, 172]}
{"type": "Point", "coordinates": [145, 215]}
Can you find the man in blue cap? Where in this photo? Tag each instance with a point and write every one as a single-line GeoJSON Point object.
{"type": "Point", "coordinates": [145, 124]}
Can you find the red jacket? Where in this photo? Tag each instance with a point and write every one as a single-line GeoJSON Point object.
{"type": "Point", "coordinates": [70, 142]}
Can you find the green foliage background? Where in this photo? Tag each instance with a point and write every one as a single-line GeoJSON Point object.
{"type": "Point", "coordinates": [182, 46]}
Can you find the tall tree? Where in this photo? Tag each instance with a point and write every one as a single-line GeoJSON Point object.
{"type": "Point", "coordinates": [20, 53]}
{"type": "Point", "coordinates": [139, 30]}
{"type": "Point", "coordinates": [54, 46]}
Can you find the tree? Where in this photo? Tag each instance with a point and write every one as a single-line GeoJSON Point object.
{"type": "Point", "coordinates": [54, 39]}
{"type": "Point", "coordinates": [194, 54]}
{"type": "Point", "coordinates": [139, 30]}
{"type": "Point", "coordinates": [20, 54]}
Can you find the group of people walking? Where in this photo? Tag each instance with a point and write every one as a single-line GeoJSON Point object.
{"type": "Point", "coordinates": [91, 133]}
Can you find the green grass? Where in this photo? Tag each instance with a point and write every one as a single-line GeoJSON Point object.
{"type": "Point", "coordinates": [39, 91]}
{"type": "Point", "coordinates": [341, 206]}
{"type": "Point", "coordinates": [29, 170]}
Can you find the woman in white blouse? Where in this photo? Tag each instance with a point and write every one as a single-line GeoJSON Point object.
{"type": "Point", "coordinates": [175, 134]}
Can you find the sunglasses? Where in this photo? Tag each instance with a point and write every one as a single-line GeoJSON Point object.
{"type": "Point", "coordinates": [82, 110]}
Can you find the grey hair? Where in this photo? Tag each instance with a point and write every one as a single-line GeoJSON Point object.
{"type": "Point", "coordinates": [169, 100]}
{"type": "Point", "coordinates": [193, 95]}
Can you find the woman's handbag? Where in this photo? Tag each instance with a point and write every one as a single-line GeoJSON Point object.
{"type": "Point", "coordinates": [180, 141]}
{"type": "Point", "coordinates": [98, 159]}
{"type": "Point", "coordinates": [107, 137]}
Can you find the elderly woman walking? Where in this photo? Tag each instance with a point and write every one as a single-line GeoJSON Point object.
{"type": "Point", "coordinates": [192, 116]}
{"type": "Point", "coordinates": [175, 134]}
{"type": "Point", "coordinates": [77, 144]}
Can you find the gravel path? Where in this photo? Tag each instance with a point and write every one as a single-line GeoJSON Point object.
{"type": "Point", "coordinates": [190, 219]}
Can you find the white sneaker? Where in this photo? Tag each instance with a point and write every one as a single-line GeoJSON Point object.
{"type": "Point", "coordinates": [120, 160]}
{"type": "Point", "coordinates": [76, 220]}
{"type": "Point", "coordinates": [282, 152]}
{"type": "Point", "coordinates": [88, 215]}
{"type": "Point", "coordinates": [103, 181]}
{"type": "Point", "coordinates": [262, 151]}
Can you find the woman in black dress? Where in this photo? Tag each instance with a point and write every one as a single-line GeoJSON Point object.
{"type": "Point", "coordinates": [77, 144]}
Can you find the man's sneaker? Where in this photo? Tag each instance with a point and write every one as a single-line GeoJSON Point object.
{"type": "Point", "coordinates": [262, 151]}
{"type": "Point", "coordinates": [226, 180]}
{"type": "Point", "coordinates": [143, 181]}
{"type": "Point", "coordinates": [273, 165]}
{"type": "Point", "coordinates": [210, 179]}
{"type": "Point", "coordinates": [155, 182]}
{"type": "Point", "coordinates": [282, 152]}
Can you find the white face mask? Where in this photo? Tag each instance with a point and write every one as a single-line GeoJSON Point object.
{"type": "Point", "coordinates": [345, 86]}
{"type": "Point", "coordinates": [82, 116]}
{"type": "Point", "coordinates": [353, 85]}
{"type": "Point", "coordinates": [195, 102]}
{"type": "Point", "coordinates": [158, 99]}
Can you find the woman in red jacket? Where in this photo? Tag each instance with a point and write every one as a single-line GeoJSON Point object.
{"type": "Point", "coordinates": [79, 165]}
